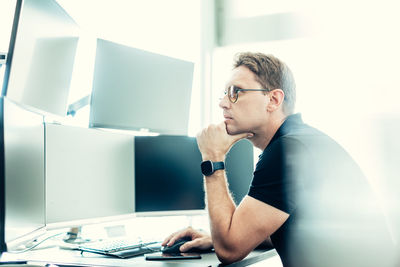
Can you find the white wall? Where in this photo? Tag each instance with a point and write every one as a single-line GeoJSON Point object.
{"type": "Point", "coordinates": [345, 60]}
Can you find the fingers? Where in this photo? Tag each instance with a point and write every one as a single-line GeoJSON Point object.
{"type": "Point", "coordinates": [166, 240]}
{"type": "Point", "coordinates": [189, 245]}
{"type": "Point", "coordinates": [222, 126]}
{"type": "Point", "coordinates": [176, 237]}
{"type": "Point", "coordinates": [199, 240]}
{"type": "Point", "coordinates": [170, 240]}
{"type": "Point", "coordinates": [201, 243]}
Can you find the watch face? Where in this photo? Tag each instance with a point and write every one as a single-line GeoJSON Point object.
{"type": "Point", "coordinates": [207, 168]}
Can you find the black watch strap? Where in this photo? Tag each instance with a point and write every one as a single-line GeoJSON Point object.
{"type": "Point", "coordinates": [208, 167]}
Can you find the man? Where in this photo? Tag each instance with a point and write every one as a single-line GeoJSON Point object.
{"type": "Point", "coordinates": [307, 198]}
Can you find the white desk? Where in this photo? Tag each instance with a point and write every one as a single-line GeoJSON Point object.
{"type": "Point", "coordinates": [151, 227]}
{"type": "Point", "coordinates": [75, 258]}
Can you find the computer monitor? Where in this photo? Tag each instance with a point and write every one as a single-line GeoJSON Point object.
{"type": "Point", "coordinates": [3, 246]}
{"type": "Point", "coordinates": [168, 178]}
{"type": "Point", "coordinates": [41, 56]}
{"type": "Point", "coordinates": [239, 169]}
{"type": "Point", "coordinates": [134, 89]}
{"type": "Point", "coordinates": [89, 176]}
{"type": "Point", "coordinates": [22, 174]}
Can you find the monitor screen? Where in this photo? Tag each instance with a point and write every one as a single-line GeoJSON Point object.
{"type": "Point", "coordinates": [239, 169]}
{"type": "Point", "coordinates": [168, 176]}
{"type": "Point", "coordinates": [23, 172]}
{"type": "Point", "coordinates": [135, 89]}
{"type": "Point", "coordinates": [89, 175]}
{"type": "Point", "coordinates": [41, 56]}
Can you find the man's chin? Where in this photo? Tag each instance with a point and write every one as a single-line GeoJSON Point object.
{"type": "Point", "coordinates": [232, 131]}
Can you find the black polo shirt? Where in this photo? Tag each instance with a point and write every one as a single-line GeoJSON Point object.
{"type": "Point", "coordinates": [308, 175]}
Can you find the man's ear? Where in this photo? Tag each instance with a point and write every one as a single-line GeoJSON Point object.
{"type": "Point", "coordinates": [276, 98]}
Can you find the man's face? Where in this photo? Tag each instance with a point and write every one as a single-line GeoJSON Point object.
{"type": "Point", "coordinates": [249, 113]}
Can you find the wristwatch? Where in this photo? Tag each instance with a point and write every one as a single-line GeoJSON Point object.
{"type": "Point", "coordinates": [208, 167]}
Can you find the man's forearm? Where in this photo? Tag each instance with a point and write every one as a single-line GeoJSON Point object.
{"type": "Point", "coordinates": [220, 208]}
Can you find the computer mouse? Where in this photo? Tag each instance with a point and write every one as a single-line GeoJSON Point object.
{"type": "Point", "coordinates": [173, 249]}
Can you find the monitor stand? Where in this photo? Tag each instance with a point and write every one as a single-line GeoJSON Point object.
{"type": "Point", "coordinates": [74, 236]}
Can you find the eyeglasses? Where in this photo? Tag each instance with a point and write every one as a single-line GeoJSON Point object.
{"type": "Point", "coordinates": [233, 92]}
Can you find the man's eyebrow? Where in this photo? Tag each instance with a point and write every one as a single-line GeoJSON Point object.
{"type": "Point", "coordinates": [229, 85]}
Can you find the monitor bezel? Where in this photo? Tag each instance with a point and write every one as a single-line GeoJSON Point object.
{"type": "Point", "coordinates": [15, 243]}
{"type": "Point", "coordinates": [89, 221]}
{"type": "Point", "coordinates": [3, 246]}
{"type": "Point", "coordinates": [11, 46]}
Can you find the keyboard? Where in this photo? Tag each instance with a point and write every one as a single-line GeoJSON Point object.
{"type": "Point", "coordinates": [122, 248]}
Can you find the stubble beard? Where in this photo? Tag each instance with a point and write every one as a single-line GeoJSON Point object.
{"type": "Point", "coordinates": [230, 129]}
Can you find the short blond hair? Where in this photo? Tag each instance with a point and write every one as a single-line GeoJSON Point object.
{"type": "Point", "coordinates": [271, 73]}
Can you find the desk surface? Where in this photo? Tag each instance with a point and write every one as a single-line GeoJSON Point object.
{"type": "Point", "coordinates": [74, 258]}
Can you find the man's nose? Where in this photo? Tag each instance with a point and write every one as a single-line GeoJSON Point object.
{"type": "Point", "coordinates": [224, 102]}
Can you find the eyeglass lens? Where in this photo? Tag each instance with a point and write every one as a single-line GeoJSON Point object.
{"type": "Point", "coordinates": [232, 93]}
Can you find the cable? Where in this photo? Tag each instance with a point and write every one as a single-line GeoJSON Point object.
{"type": "Point", "coordinates": [148, 244]}
{"type": "Point", "coordinates": [150, 248]}
{"type": "Point", "coordinates": [34, 246]}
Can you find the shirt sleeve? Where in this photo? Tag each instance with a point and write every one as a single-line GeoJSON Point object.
{"type": "Point", "coordinates": [277, 179]}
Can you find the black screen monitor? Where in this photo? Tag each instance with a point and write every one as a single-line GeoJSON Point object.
{"type": "Point", "coordinates": [22, 174]}
{"type": "Point", "coordinates": [41, 56]}
{"type": "Point", "coordinates": [168, 176]}
{"type": "Point", "coordinates": [239, 169]}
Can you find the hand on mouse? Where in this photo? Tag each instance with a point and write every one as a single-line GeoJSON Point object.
{"type": "Point", "coordinates": [199, 239]}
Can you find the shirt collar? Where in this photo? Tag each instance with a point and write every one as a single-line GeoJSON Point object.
{"type": "Point", "coordinates": [287, 125]}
